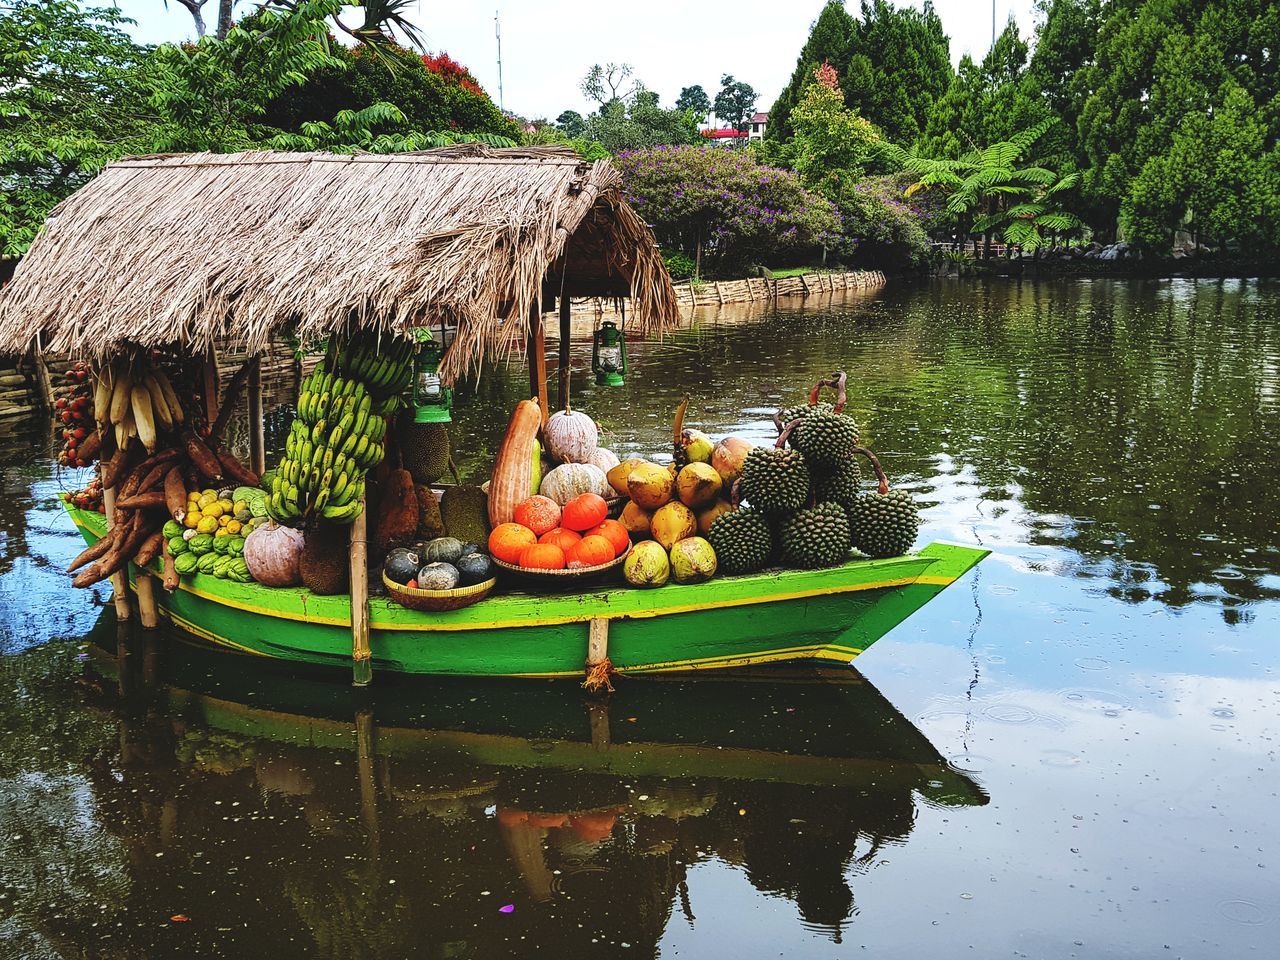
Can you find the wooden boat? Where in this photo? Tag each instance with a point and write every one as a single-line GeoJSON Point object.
{"type": "Point", "coordinates": [788, 615]}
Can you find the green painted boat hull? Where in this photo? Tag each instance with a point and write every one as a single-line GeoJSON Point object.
{"type": "Point", "coordinates": [821, 615]}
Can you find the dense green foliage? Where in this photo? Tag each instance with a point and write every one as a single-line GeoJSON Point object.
{"type": "Point", "coordinates": [69, 104]}
{"type": "Point", "coordinates": [893, 65]}
{"type": "Point", "coordinates": [1169, 110]}
{"type": "Point", "coordinates": [77, 93]}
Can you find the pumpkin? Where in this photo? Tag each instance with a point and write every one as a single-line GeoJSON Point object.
{"type": "Point", "coordinates": [615, 533]}
{"type": "Point", "coordinates": [508, 540]}
{"type": "Point", "coordinates": [590, 551]}
{"type": "Point", "coordinates": [542, 556]}
{"type": "Point", "coordinates": [606, 460]}
{"type": "Point", "coordinates": [571, 436]}
{"type": "Point", "coordinates": [562, 538]}
{"type": "Point", "coordinates": [513, 467]}
{"type": "Point", "coordinates": [272, 552]}
{"type": "Point", "coordinates": [538, 513]}
{"type": "Point", "coordinates": [584, 511]}
{"type": "Point", "coordinates": [570, 479]}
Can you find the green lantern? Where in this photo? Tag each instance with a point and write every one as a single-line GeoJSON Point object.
{"type": "Point", "coordinates": [432, 400]}
{"type": "Point", "coordinates": [609, 355]}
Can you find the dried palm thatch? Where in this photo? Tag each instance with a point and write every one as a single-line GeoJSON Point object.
{"type": "Point", "coordinates": [189, 249]}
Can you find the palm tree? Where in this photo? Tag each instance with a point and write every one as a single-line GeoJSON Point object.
{"type": "Point", "coordinates": [988, 190]}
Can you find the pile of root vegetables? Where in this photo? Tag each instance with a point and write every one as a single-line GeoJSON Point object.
{"type": "Point", "coordinates": [151, 450]}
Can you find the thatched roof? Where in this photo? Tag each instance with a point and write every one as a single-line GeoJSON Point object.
{"type": "Point", "coordinates": [186, 250]}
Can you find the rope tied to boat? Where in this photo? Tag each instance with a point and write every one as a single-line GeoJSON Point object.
{"type": "Point", "coordinates": [600, 669]}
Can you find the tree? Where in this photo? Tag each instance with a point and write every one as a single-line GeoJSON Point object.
{"type": "Point", "coordinates": [832, 144]}
{"type": "Point", "coordinates": [571, 123]}
{"type": "Point", "coordinates": [893, 63]}
{"type": "Point", "coordinates": [611, 82]}
{"type": "Point", "coordinates": [383, 19]}
{"type": "Point", "coordinates": [695, 99]}
{"type": "Point", "coordinates": [196, 9]}
{"type": "Point", "coordinates": [991, 189]}
{"type": "Point", "coordinates": [70, 102]}
{"type": "Point", "coordinates": [831, 38]}
{"type": "Point", "coordinates": [736, 102]}
{"type": "Point", "coordinates": [639, 122]}
{"type": "Point", "coordinates": [724, 206]}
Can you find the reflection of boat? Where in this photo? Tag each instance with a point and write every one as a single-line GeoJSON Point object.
{"type": "Point", "coordinates": [404, 828]}
{"type": "Point", "coordinates": [825, 615]}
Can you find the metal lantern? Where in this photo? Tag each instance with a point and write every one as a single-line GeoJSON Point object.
{"type": "Point", "coordinates": [609, 355]}
{"type": "Point", "coordinates": [432, 400]}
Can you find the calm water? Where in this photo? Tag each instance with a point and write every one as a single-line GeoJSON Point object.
{"type": "Point", "coordinates": [1073, 752]}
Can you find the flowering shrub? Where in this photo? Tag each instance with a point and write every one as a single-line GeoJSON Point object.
{"type": "Point", "coordinates": [736, 209]}
{"type": "Point", "coordinates": [444, 66]}
{"type": "Point", "coordinates": [885, 227]}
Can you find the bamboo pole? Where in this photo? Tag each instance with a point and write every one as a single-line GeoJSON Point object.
{"type": "Point", "coordinates": [257, 436]}
{"type": "Point", "coordinates": [148, 612]}
{"type": "Point", "coordinates": [361, 654]}
{"type": "Point", "coordinates": [119, 579]}
{"type": "Point", "coordinates": [210, 382]}
{"type": "Point", "coordinates": [46, 381]}
{"type": "Point", "coordinates": [366, 755]}
{"type": "Point", "coordinates": [566, 334]}
{"type": "Point", "coordinates": [537, 350]}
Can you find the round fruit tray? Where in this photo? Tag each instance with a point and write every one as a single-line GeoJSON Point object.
{"type": "Point", "coordinates": [566, 577]}
{"type": "Point", "coordinates": [616, 505]}
{"type": "Point", "coordinates": [437, 601]}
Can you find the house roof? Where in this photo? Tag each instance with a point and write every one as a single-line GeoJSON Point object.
{"type": "Point", "coordinates": [760, 118]}
{"type": "Point", "coordinates": [186, 250]}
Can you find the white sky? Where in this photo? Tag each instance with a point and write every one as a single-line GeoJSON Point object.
{"type": "Point", "coordinates": [547, 45]}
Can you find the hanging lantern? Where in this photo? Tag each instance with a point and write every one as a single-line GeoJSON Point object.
{"type": "Point", "coordinates": [432, 400]}
{"type": "Point", "coordinates": [609, 355]}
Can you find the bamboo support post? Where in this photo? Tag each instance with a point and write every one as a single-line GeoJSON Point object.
{"type": "Point", "coordinates": [361, 653]}
{"type": "Point", "coordinates": [566, 334]}
{"type": "Point", "coordinates": [119, 579]}
{"type": "Point", "coordinates": [537, 351]}
{"type": "Point", "coordinates": [805, 283]}
{"type": "Point", "coordinates": [45, 381]}
{"type": "Point", "coordinates": [210, 384]}
{"type": "Point", "coordinates": [148, 612]}
{"type": "Point", "coordinates": [257, 437]}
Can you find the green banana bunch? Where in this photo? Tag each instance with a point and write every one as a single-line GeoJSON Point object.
{"type": "Point", "coordinates": [383, 363]}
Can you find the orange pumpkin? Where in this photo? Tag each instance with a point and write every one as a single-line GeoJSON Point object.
{"type": "Point", "coordinates": [584, 511]}
{"type": "Point", "coordinates": [542, 556]}
{"type": "Point", "coordinates": [615, 533]}
{"type": "Point", "coordinates": [591, 551]}
{"type": "Point", "coordinates": [539, 514]}
{"type": "Point", "coordinates": [508, 540]}
{"type": "Point", "coordinates": [562, 538]}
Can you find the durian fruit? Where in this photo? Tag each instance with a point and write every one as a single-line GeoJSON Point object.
{"type": "Point", "coordinates": [424, 448]}
{"type": "Point", "coordinates": [774, 479]}
{"type": "Point", "coordinates": [430, 521]}
{"type": "Point", "coordinates": [883, 523]}
{"type": "Point", "coordinates": [742, 541]}
{"type": "Point", "coordinates": [465, 511]}
{"type": "Point", "coordinates": [825, 436]}
{"type": "Point", "coordinates": [323, 563]}
{"type": "Point", "coordinates": [800, 411]}
{"type": "Point", "coordinates": [841, 485]}
{"type": "Point", "coordinates": [815, 537]}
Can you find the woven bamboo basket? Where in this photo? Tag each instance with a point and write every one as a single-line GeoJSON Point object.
{"type": "Point", "coordinates": [437, 601]}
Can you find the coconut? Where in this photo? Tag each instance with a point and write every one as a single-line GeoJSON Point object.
{"type": "Point", "coordinates": [647, 565]}
{"type": "Point", "coordinates": [693, 560]}
{"type": "Point", "coordinates": [727, 458]}
{"type": "Point", "coordinates": [672, 522]}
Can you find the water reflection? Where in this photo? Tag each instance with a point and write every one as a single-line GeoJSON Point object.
{"type": "Point", "coordinates": [232, 814]}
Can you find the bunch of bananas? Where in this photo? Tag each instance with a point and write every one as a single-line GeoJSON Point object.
{"type": "Point", "coordinates": [384, 364]}
{"type": "Point", "coordinates": [336, 438]}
